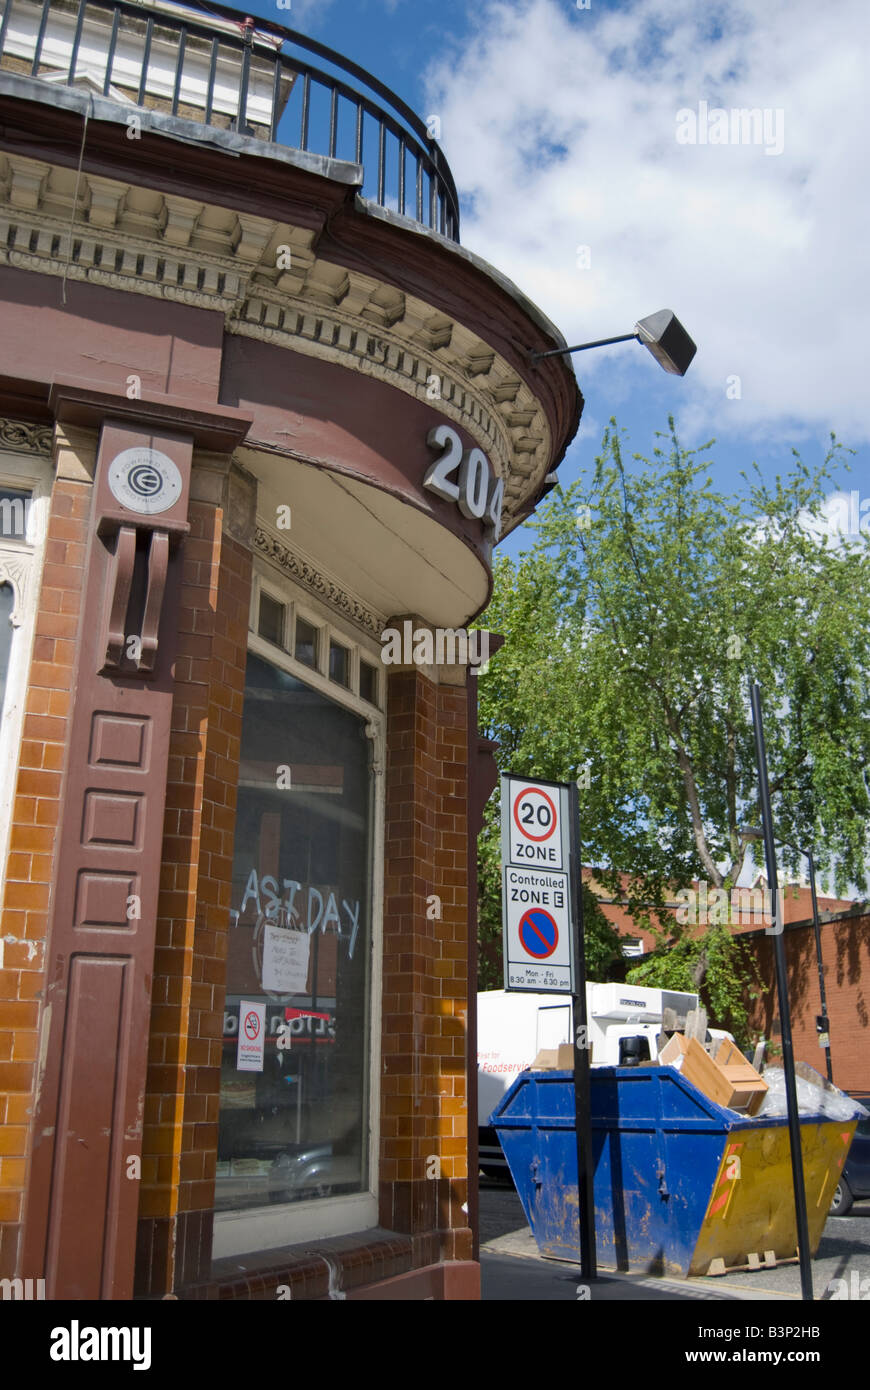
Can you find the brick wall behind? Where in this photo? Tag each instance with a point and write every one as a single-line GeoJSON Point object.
{"type": "Point", "coordinates": [846, 959]}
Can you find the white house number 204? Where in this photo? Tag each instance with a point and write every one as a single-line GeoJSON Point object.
{"type": "Point", "coordinates": [476, 492]}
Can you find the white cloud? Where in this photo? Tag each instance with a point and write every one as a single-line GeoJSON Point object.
{"type": "Point", "coordinates": [560, 127]}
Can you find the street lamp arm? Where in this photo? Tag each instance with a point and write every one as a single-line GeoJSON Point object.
{"type": "Point", "coordinates": [581, 347]}
{"type": "Point", "coordinates": [661, 333]}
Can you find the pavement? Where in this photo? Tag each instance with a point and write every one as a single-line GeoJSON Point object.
{"type": "Point", "coordinates": [517, 1279]}
{"type": "Point", "coordinates": [512, 1268]}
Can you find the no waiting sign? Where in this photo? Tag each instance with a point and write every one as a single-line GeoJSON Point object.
{"type": "Point", "coordinates": [537, 901]}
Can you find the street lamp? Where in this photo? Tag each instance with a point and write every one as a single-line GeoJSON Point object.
{"type": "Point", "coordinates": [661, 333]}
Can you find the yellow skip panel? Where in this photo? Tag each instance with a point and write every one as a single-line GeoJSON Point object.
{"type": "Point", "coordinates": [751, 1207]}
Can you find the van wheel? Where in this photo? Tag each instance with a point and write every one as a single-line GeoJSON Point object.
{"type": "Point", "coordinates": [842, 1199]}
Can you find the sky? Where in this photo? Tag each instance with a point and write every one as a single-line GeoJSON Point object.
{"type": "Point", "coordinates": [601, 164]}
{"type": "Point", "coordinates": [600, 167]}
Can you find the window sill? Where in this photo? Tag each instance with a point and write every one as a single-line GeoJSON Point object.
{"type": "Point", "coordinates": [337, 1265]}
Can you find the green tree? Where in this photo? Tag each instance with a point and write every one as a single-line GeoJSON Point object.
{"type": "Point", "coordinates": [634, 626]}
{"type": "Point", "coordinates": [731, 977]}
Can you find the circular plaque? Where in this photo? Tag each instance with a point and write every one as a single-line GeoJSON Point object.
{"type": "Point", "coordinates": [145, 480]}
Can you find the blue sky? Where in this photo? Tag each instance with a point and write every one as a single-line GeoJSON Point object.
{"type": "Point", "coordinates": [560, 125]}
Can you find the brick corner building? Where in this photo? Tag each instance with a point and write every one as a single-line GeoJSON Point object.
{"type": "Point", "coordinates": [257, 406]}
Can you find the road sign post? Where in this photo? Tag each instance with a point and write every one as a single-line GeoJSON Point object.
{"type": "Point", "coordinates": [582, 1079]}
{"type": "Point", "coordinates": [791, 1100]}
{"type": "Point", "coordinates": [542, 917]}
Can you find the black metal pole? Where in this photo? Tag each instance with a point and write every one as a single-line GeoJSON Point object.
{"type": "Point", "coordinates": [794, 1130]}
{"type": "Point", "coordinates": [818, 935]}
{"type": "Point", "coordinates": [582, 1080]}
{"type": "Point", "coordinates": [581, 347]}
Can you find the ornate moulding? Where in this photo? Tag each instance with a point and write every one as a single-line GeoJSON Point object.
{"type": "Point", "coordinates": [18, 437]}
{"type": "Point", "coordinates": [267, 280]}
{"type": "Point", "coordinates": [321, 585]}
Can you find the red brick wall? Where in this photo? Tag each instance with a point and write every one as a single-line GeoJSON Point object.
{"type": "Point", "coordinates": [35, 816]}
{"type": "Point", "coordinates": [846, 959]}
{"type": "Point", "coordinates": [424, 1121]}
{"type": "Point", "coordinates": [424, 1114]}
{"type": "Point", "coordinates": [181, 1108]}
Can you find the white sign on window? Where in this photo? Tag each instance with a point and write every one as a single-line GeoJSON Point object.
{"type": "Point", "coordinates": [285, 960]}
{"type": "Point", "coordinates": [252, 1036]}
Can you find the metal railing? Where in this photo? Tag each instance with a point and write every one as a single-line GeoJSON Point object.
{"type": "Point", "coordinates": [251, 76]}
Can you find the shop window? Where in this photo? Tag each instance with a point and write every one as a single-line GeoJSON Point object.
{"type": "Point", "coordinates": [305, 649]}
{"type": "Point", "coordinates": [272, 620]}
{"type": "Point", "coordinates": [7, 603]}
{"type": "Point", "coordinates": [368, 682]}
{"type": "Point", "coordinates": [294, 1107]}
{"type": "Point", "coordinates": [339, 664]}
{"type": "Point", "coordinates": [24, 487]}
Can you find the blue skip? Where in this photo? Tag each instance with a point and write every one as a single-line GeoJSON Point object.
{"type": "Point", "coordinates": [680, 1182]}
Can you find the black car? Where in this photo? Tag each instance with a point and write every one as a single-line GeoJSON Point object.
{"type": "Point", "coordinates": [855, 1180]}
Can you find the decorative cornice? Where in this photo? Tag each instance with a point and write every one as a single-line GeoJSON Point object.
{"type": "Point", "coordinates": [328, 590]}
{"type": "Point", "coordinates": [269, 283]}
{"type": "Point", "coordinates": [20, 438]}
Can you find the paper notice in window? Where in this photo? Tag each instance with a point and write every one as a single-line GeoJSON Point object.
{"type": "Point", "coordinates": [285, 960]}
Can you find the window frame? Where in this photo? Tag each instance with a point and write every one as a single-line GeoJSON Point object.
{"type": "Point", "coordinates": [359, 648]}
{"type": "Point", "coordinates": [21, 564]}
{"type": "Point", "coordinates": [258, 1229]}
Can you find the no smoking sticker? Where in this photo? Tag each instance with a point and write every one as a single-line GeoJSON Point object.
{"type": "Point", "coordinates": [252, 1036]}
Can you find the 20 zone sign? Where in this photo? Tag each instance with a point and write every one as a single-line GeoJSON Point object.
{"type": "Point", "coordinates": [534, 814]}
{"type": "Point", "coordinates": [534, 830]}
{"type": "Point", "coordinates": [477, 493]}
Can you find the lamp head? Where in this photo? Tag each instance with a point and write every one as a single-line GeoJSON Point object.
{"type": "Point", "coordinates": [667, 340]}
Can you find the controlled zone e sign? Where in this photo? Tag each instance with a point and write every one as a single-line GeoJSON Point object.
{"type": "Point", "coordinates": [537, 929]}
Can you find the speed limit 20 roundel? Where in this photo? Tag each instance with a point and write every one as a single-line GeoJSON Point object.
{"type": "Point", "coordinates": [535, 814]}
{"type": "Point", "coordinates": [535, 825]}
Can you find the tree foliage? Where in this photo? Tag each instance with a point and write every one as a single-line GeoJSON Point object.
{"type": "Point", "coordinates": [634, 626]}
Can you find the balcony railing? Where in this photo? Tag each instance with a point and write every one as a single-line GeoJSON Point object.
{"type": "Point", "coordinates": [251, 76]}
